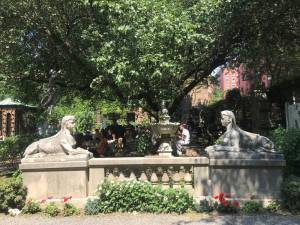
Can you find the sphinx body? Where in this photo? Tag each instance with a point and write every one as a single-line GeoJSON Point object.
{"type": "Point", "coordinates": [237, 140]}
{"type": "Point", "coordinates": [61, 143]}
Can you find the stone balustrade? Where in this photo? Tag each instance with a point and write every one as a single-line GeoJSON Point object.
{"type": "Point", "coordinates": [201, 176]}
{"type": "Point", "coordinates": [167, 172]}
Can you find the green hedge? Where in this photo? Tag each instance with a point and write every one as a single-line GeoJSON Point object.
{"type": "Point", "coordinates": [291, 193]}
{"type": "Point", "coordinates": [12, 193]}
{"type": "Point", "coordinates": [13, 147]}
{"type": "Point", "coordinates": [140, 197]}
{"type": "Point", "coordinates": [287, 141]}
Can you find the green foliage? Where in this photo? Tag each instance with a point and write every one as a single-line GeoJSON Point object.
{"type": "Point", "coordinates": [143, 143]}
{"type": "Point", "coordinates": [13, 147]}
{"type": "Point", "coordinates": [92, 207]}
{"type": "Point", "coordinates": [70, 210]}
{"type": "Point", "coordinates": [12, 193]}
{"type": "Point", "coordinates": [52, 209]}
{"type": "Point", "coordinates": [291, 193]}
{"type": "Point", "coordinates": [139, 52]}
{"type": "Point", "coordinates": [287, 142]}
{"type": "Point", "coordinates": [216, 96]}
{"type": "Point", "coordinates": [228, 208]}
{"type": "Point", "coordinates": [141, 197]}
{"type": "Point", "coordinates": [252, 207]}
{"type": "Point", "coordinates": [273, 207]}
{"type": "Point", "coordinates": [204, 206]}
{"type": "Point", "coordinates": [31, 207]}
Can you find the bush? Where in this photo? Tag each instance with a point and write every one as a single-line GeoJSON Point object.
{"type": "Point", "coordinates": [288, 143]}
{"type": "Point", "coordinates": [92, 207]}
{"type": "Point", "coordinates": [251, 207]}
{"type": "Point", "coordinates": [13, 147]}
{"type": "Point", "coordinates": [31, 207]}
{"type": "Point", "coordinates": [52, 209]}
{"type": "Point", "coordinates": [70, 210]}
{"type": "Point", "coordinates": [204, 206]}
{"type": "Point", "coordinates": [141, 197]}
{"type": "Point", "coordinates": [273, 207]}
{"type": "Point", "coordinates": [144, 144]}
{"type": "Point", "coordinates": [12, 193]}
{"type": "Point", "coordinates": [291, 193]}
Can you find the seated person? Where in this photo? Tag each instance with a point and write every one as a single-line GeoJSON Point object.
{"type": "Point", "coordinates": [183, 138]}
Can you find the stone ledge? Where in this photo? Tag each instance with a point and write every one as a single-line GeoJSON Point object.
{"type": "Point", "coordinates": [149, 161]}
{"type": "Point", "coordinates": [67, 165]}
{"type": "Point", "coordinates": [246, 162]}
{"type": "Point", "coordinates": [245, 155]}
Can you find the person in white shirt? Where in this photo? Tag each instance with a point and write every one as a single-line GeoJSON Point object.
{"type": "Point", "coordinates": [184, 138]}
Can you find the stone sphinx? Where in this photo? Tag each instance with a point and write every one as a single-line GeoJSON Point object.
{"type": "Point", "coordinates": [237, 140]}
{"type": "Point", "coordinates": [61, 144]}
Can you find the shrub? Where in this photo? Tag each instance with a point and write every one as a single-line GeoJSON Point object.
{"type": "Point", "coordinates": [204, 206]}
{"type": "Point", "coordinates": [12, 193]}
{"type": "Point", "coordinates": [13, 147]}
{"type": "Point", "coordinates": [144, 144]}
{"type": "Point", "coordinates": [31, 207]}
{"type": "Point", "coordinates": [273, 207]}
{"type": "Point", "coordinates": [52, 209]}
{"type": "Point", "coordinates": [251, 207]}
{"type": "Point", "coordinates": [288, 143]}
{"type": "Point", "coordinates": [70, 210]}
{"type": "Point", "coordinates": [225, 206]}
{"type": "Point", "coordinates": [141, 197]}
{"type": "Point", "coordinates": [291, 193]}
{"type": "Point", "coordinates": [92, 207]}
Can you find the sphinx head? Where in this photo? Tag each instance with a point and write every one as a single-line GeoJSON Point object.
{"type": "Point", "coordinates": [68, 122]}
{"type": "Point", "coordinates": [227, 117]}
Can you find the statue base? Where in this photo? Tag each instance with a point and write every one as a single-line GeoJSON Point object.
{"type": "Point", "coordinates": [165, 150]}
{"type": "Point", "coordinates": [55, 176]}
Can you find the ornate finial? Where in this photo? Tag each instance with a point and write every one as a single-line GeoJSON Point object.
{"type": "Point", "coordinates": [164, 117]}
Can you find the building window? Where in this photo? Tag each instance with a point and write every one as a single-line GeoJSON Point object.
{"type": "Point", "coordinates": [8, 124]}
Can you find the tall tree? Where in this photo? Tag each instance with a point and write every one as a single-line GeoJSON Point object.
{"type": "Point", "coordinates": [137, 52]}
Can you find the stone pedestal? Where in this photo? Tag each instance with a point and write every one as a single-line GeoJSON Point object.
{"type": "Point", "coordinates": [55, 177]}
{"type": "Point", "coordinates": [254, 176]}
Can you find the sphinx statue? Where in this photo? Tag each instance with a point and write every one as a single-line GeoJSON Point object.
{"type": "Point", "coordinates": [61, 143]}
{"type": "Point", "coordinates": [237, 140]}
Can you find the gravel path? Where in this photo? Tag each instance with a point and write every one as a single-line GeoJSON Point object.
{"type": "Point", "coordinates": [150, 219]}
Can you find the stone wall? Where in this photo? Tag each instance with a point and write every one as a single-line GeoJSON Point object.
{"type": "Point", "coordinates": [201, 176]}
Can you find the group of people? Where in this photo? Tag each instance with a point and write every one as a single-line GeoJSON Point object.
{"type": "Point", "coordinates": [115, 138]}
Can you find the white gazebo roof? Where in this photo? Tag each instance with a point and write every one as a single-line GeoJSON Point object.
{"type": "Point", "coordinates": [11, 102]}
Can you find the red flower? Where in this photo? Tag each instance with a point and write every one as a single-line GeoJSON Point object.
{"type": "Point", "coordinates": [67, 198]}
{"type": "Point", "coordinates": [225, 203]}
{"type": "Point", "coordinates": [228, 196]}
{"type": "Point", "coordinates": [43, 200]}
{"type": "Point", "coordinates": [216, 197]}
{"type": "Point", "coordinates": [235, 203]}
{"type": "Point", "coordinates": [221, 195]}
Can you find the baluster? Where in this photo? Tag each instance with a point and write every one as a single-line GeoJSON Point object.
{"type": "Point", "coordinates": [176, 179]}
{"type": "Point", "coordinates": [121, 177]}
{"type": "Point", "coordinates": [165, 180]}
{"type": "Point", "coordinates": [154, 179]}
{"type": "Point", "coordinates": [143, 176]}
{"type": "Point", "coordinates": [132, 176]}
{"type": "Point", "coordinates": [116, 173]}
{"type": "Point", "coordinates": [110, 176]}
{"type": "Point", "coordinates": [188, 181]}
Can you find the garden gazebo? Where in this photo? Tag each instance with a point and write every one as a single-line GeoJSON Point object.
{"type": "Point", "coordinates": [14, 118]}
